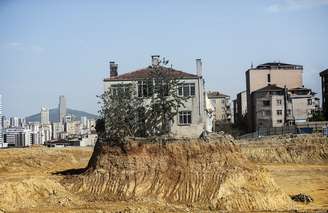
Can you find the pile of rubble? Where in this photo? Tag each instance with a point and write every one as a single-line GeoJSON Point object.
{"type": "Point", "coordinates": [302, 198]}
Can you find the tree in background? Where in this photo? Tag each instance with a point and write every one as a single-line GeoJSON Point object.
{"type": "Point", "coordinates": [317, 116]}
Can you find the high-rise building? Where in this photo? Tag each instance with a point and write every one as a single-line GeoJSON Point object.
{"type": "Point", "coordinates": [62, 108]}
{"type": "Point", "coordinates": [84, 122]}
{"type": "Point", "coordinates": [44, 115]}
{"type": "Point", "coordinates": [14, 122]}
{"type": "Point", "coordinates": [283, 75]}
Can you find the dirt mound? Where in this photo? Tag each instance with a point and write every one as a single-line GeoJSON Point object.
{"type": "Point", "coordinates": [33, 192]}
{"type": "Point", "coordinates": [306, 149]}
{"type": "Point", "coordinates": [38, 160]}
{"type": "Point", "coordinates": [212, 175]}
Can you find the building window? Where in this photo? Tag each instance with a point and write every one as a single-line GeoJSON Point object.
{"type": "Point", "coordinates": [279, 121]}
{"type": "Point", "coordinates": [266, 103]}
{"type": "Point", "coordinates": [266, 113]}
{"type": "Point", "coordinates": [279, 102]}
{"type": "Point", "coordinates": [185, 117]}
{"type": "Point", "coordinates": [119, 89]}
{"type": "Point", "coordinates": [145, 89]}
{"type": "Point", "coordinates": [279, 112]}
{"type": "Point", "coordinates": [269, 78]}
{"type": "Point", "coordinates": [309, 101]}
{"type": "Point", "coordinates": [288, 111]}
{"type": "Point", "coordinates": [186, 89]}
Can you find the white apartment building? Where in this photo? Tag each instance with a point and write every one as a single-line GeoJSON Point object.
{"type": "Point", "coordinates": [222, 106]}
{"type": "Point", "coordinates": [191, 119]}
{"type": "Point", "coordinates": [44, 115]}
{"type": "Point", "coordinates": [18, 137]}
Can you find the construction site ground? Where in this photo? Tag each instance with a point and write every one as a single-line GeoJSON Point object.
{"type": "Point", "coordinates": [29, 182]}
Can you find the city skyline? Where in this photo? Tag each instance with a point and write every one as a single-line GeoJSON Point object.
{"type": "Point", "coordinates": [51, 49]}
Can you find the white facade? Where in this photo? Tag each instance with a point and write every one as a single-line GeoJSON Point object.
{"type": "Point", "coordinates": [57, 130]}
{"type": "Point", "coordinates": [44, 115]}
{"type": "Point", "coordinates": [14, 122]}
{"type": "Point", "coordinates": [191, 119]}
{"type": "Point", "coordinates": [222, 106]}
{"type": "Point", "coordinates": [18, 137]}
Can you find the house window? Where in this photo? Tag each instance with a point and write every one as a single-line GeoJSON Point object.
{"type": "Point", "coordinates": [279, 112]}
{"type": "Point", "coordinates": [279, 121]}
{"type": "Point", "coordinates": [266, 103]}
{"type": "Point", "coordinates": [309, 101]}
{"type": "Point", "coordinates": [279, 102]}
{"type": "Point", "coordinates": [186, 89]}
{"type": "Point", "coordinates": [185, 117]}
{"type": "Point", "coordinates": [117, 89]}
{"type": "Point", "coordinates": [145, 89]}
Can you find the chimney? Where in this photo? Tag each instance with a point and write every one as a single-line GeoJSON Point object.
{"type": "Point", "coordinates": [155, 60]}
{"type": "Point", "coordinates": [199, 71]}
{"type": "Point", "coordinates": [113, 69]}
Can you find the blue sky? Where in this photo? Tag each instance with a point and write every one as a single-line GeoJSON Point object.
{"type": "Point", "coordinates": [51, 48]}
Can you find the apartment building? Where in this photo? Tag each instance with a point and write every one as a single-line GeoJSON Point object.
{"type": "Point", "coordinates": [240, 107]}
{"type": "Point", "coordinates": [281, 74]}
{"type": "Point", "coordinates": [221, 104]}
{"type": "Point", "coordinates": [277, 107]}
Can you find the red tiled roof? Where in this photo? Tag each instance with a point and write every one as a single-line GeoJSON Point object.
{"type": "Point", "coordinates": [146, 72]}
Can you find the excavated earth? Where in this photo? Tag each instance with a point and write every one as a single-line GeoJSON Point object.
{"type": "Point", "coordinates": [168, 176]}
{"type": "Point", "coordinates": [303, 149]}
{"type": "Point", "coordinates": [212, 175]}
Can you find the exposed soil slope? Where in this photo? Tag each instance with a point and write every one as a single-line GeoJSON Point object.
{"type": "Point", "coordinates": [306, 149]}
{"type": "Point", "coordinates": [212, 175]}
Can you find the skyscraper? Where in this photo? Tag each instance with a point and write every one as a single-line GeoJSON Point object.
{"type": "Point", "coordinates": [44, 115]}
{"type": "Point", "coordinates": [62, 108]}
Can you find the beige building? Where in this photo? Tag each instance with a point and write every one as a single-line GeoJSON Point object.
{"type": "Point", "coordinates": [191, 119]}
{"type": "Point", "coordinates": [73, 127]}
{"type": "Point", "coordinates": [280, 74]}
{"type": "Point", "coordinates": [302, 104]}
{"type": "Point", "coordinates": [277, 107]}
{"type": "Point", "coordinates": [221, 104]}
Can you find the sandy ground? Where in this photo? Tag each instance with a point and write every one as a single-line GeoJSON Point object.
{"type": "Point", "coordinates": [307, 179]}
{"type": "Point", "coordinates": [28, 183]}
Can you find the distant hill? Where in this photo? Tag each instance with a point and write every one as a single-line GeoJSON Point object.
{"type": "Point", "coordinates": [54, 115]}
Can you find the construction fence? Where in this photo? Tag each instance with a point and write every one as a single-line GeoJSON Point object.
{"type": "Point", "coordinates": [299, 128]}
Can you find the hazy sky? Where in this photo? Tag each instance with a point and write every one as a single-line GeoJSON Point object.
{"type": "Point", "coordinates": [51, 48]}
